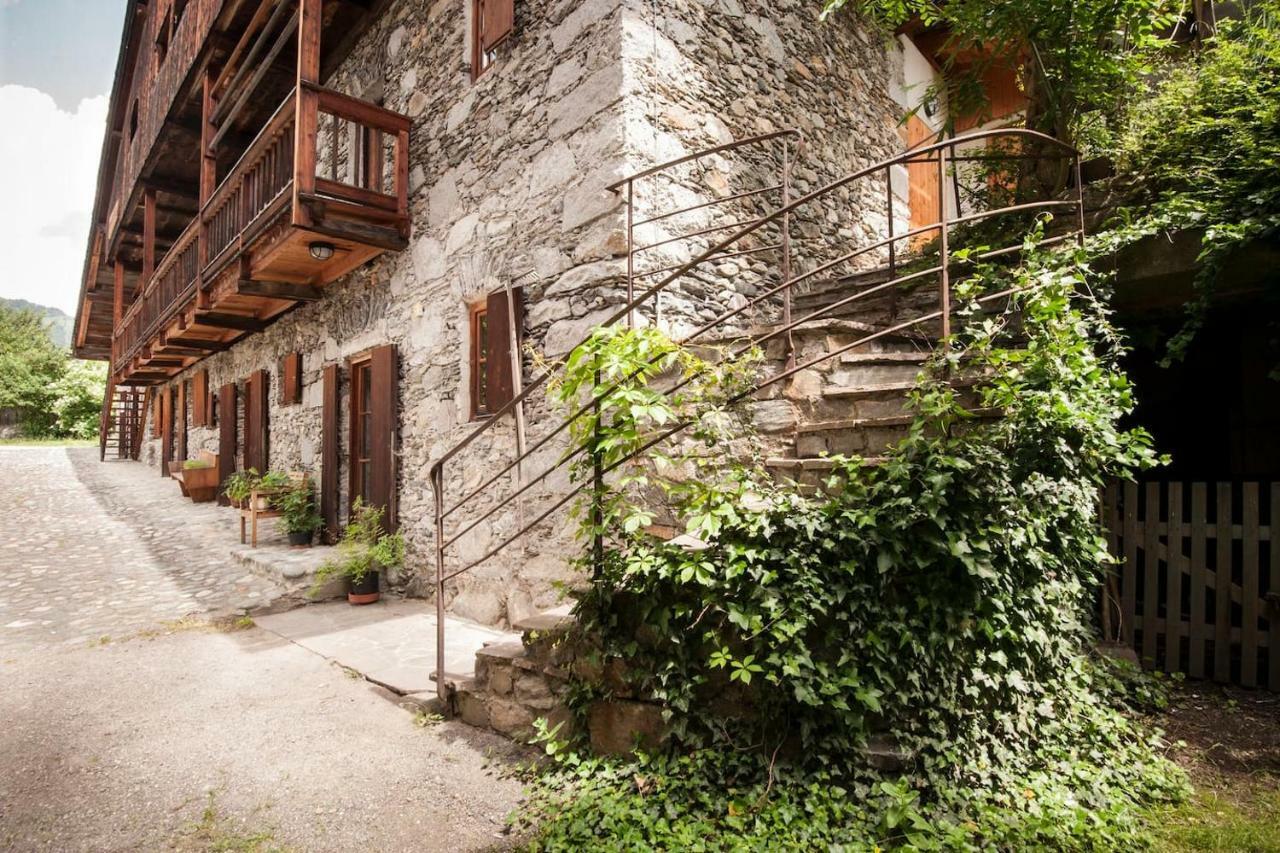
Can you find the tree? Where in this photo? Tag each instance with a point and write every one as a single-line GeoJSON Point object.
{"type": "Point", "coordinates": [53, 394]}
{"type": "Point", "coordinates": [1076, 59]}
{"type": "Point", "coordinates": [30, 364]}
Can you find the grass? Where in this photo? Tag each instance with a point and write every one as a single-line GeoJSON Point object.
{"type": "Point", "coordinates": [48, 442]}
{"type": "Point", "coordinates": [1242, 819]}
{"type": "Point", "coordinates": [212, 834]}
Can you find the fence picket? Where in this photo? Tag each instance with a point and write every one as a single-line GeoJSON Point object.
{"type": "Point", "coordinates": [1129, 578]}
{"type": "Point", "coordinates": [1249, 589]}
{"type": "Point", "coordinates": [1222, 587]}
{"type": "Point", "coordinates": [1174, 567]}
{"type": "Point", "coordinates": [1151, 571]}
{"type": "Point", "coordinates": [1273, 612]}
{"type": "Point", "coordinates": [1199, 508]}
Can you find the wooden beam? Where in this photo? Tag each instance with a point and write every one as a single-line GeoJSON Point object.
{"type": "Point", "coordinates": [280, 290]}
{"type": "Point", "coordinates": [229, 91]}
{"type": "Point", "coordinates": [204, 347]}
{"type": "Point", "coordinates": [230, 321]}
{"type": "Point", "coordinates": [148, 233]}
{"type": "Point", "coordinates": [171, 186]}
{"type": "Point", "coordinates": [117, 312]}
{"type": "Point", "coordinates": [228, 119]}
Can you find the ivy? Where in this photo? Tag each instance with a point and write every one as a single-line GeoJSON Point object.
{"type": "Point", "coordinates": [1201, 149]}
{"type": "Point", "coordinates": [939, 600]}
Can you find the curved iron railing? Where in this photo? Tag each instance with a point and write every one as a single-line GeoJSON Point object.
{"type": "Point", "coordinates": [1023, 145]}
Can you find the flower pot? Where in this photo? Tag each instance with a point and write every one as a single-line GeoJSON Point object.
{"type": "Point", "coordinates": [300, 538]}
{"type": "Point", "coordinates": [262, 504]}
{"type": "Point", "coordinates": [364, 591]}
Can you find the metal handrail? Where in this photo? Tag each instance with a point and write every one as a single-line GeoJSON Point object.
{"type": "Point", "coordinates": [940, 152]}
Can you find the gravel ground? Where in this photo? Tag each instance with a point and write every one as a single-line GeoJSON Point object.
{"type": "Point", "coordinates": [184, 737]}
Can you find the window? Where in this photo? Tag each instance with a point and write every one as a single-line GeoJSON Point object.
{"type": "Point", "coordinates": [491, 23]}
{"type": "Point", "coordinates": [479, 361]}
{"type": "Point", "coordinates": [361, 429]}
{"type": "Point", "coordinates": [493, 360]}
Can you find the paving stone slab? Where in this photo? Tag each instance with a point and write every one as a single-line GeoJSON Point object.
{"type": "Point", "coordinates": [392, 642]}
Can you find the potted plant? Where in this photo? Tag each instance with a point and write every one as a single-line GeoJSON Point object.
{"type": "Point", "coordinates": [365, 550]}
{"type": "Point", "coordinates": [240, 485]}
{"type": "Point", "coordinates": [298, 514]}
{"type": "Point", "coordinates": [269, 484]}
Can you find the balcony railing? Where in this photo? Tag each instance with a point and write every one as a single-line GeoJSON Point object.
{"type": "Point", "coordinates": [346, 175]}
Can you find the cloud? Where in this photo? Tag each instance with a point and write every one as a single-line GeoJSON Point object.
{"type": "Point", "coordinates": [48, 174]}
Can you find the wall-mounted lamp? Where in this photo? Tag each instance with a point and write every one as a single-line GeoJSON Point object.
{"type": "Point", "coordinates": [321, 250]}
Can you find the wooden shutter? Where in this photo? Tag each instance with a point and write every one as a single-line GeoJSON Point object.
{"type": "Point", "coordinates": [498, 18]}
{"type": "Point", "coordinates": [255, 421]}
{"type": "Point", "coordinates": [291, 379]}
{"type": "Point", "coordinates": [384, 418]}
{"type": "Point", "coordinates": [200, 399]}
{"type": "Point", "coordinates": [166, 430]}
{"type": "Point", "coordinates": [226, 435]}
{"type": "Point", "coordinates": [156, 432]}
{"type": "Point", "coordinates": [329, 453]}
{"type": "Point", "coordinates": [499, 378]}
{"type": "Point", "coordinates": [182, 420]}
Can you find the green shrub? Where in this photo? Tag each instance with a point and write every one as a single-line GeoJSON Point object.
{"type": "Point", "coordinates": [941, 597]}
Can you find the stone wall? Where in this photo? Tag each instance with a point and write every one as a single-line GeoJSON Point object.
{"type": "Point", "coordinates": [508, 178]}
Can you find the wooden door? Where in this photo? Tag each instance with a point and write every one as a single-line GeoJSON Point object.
{"type": "Point", "coordinates": [166, 430]}
{"type": "Point", "coordinates": [256, 437]}
{"type": "Point", "coordinates": [922, 182]}
{"type": "Point", "coordinates": [329, 453]}
{"type": "Point", "coordinates": [227, 416]}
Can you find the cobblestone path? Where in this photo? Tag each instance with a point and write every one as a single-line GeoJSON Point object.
{"type": "Point", "coordinates": [172, 735]}
{"type": "Point", "coordinates": [91, 550]}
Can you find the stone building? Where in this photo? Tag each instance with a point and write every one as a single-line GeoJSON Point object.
{"type": "Point", "coordinates": [309, 208]}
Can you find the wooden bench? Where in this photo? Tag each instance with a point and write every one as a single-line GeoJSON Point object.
{"type": "Point", "coordinates": [199, 484]}
{"type": "Point", "coordinates": [250, 512]}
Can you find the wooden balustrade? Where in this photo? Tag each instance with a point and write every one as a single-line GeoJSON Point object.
{"type": "Point", "coordinates": [350, 183]}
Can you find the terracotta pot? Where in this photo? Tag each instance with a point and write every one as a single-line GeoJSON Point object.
{"type": "Point", "coordinates": [364, 591]}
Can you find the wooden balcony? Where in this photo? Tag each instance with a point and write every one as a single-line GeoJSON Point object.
{"type": "Point", "coordinates": [322, 189]}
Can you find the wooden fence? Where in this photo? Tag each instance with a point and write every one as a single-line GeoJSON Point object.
{"type": "Point", "coordinates": [1181, 545]}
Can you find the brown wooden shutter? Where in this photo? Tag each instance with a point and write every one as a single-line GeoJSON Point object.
{"type": "Point", "coordinates": [166, 430]}
{"type": "Point", "coordinates": [499, 378]}
{"type": "Point", "coordinates": [200, 399]}
{"type": "Point", "coordinates": [329, 453]}
{"type": "Point", "coordinates": [226, 435]}
{"type": "Point", "coordinates": [182, 420]}
{"type": "Point", "coordinates": [499, 18]}
{"type": "Point", "coordinates": [384, 418]}
{"type": "Point", "coordinates": [291, 379]}
{"type": "Point", "coordinates": [255, 421]}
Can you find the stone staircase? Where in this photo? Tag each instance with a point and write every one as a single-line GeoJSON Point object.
{"type": "Point", "coordinates": [852, 404]}
{"type": "Point", "coordinates": [516, 683]}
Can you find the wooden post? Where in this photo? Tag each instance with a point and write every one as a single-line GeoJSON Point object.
{"type": "Point", "coordinates": [148, 237]}
{"type": "Point", "coordinates": [208, 176]}
{"type": "Point", "coordinates": [1174, 564]}
{"type": "Point", "coordinates": [117, 308]}
{"type": "Point", "coordinates": [306, 103]}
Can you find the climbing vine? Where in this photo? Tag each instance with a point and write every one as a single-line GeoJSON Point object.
{"type": "Point", "coordinates": [1201, 149]}
{"type": "Point", "coordinates": [898, 660]}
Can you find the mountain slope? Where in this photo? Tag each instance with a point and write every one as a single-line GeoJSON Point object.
{"type": "Point", "coordinates": [57, 321]}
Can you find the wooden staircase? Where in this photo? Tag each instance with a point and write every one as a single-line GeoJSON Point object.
{"type": "Point", "coordinates": [120, 430]}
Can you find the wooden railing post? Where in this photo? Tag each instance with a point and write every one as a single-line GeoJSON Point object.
{"type": "Point", "coordinates": [306, 106]}
{"type": "Point", "coordinates": [148, 238]}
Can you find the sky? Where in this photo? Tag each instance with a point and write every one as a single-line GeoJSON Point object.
{"type": "Point", "coordinates": [57, 59]}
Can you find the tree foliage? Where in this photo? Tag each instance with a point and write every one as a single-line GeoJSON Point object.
{"type": "Point", "coordinates": [1077, 62]}
{"type": "Point", "coordinates": [54, 395]}
{"type": "Point", "coordinates": [1201, 149]}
